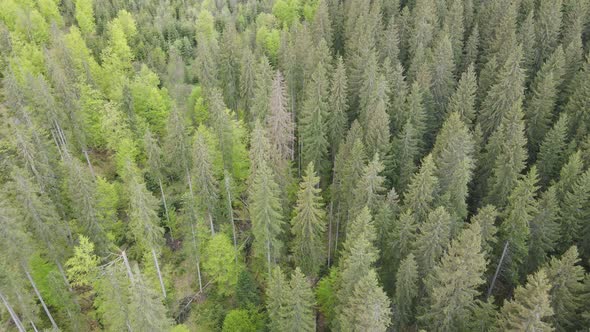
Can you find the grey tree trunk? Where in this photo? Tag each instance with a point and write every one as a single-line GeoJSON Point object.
{"type": "Point", "coordinates": [34, 326]}
{"type": "Point", "coordinates": [164, 200]}
{"type": "Point", "coordinates": [497, 270]}
{"type": "Point", "coordinates": [159, 272]}
{"type": "Point", "coordinates": [53, 324]}
{"type": "Point", "coordinates": [211, 223]}
{"type": "Point", "coordinates": [197, 258]}
{"type": "Point", "coordinates": [231, 214]}
{"type": "Point", "coordinates": [13, 315]}
{"type": "Point", "coordinates": [89, 163]}
{"type": "Point", "coordinates": [128, 267]}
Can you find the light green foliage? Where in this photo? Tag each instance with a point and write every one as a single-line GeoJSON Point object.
{"type": "Point", "coordinates": [308, 225]}
{"type": "Point", "coordinates": [530, 309]}
{"type": "Point", "coordinates": [82, 268]}
{"type": "Point", "coordinates": [149, 101]}
{"type": "Point", "coordinates": [277, 297]}
{"type": "Point", "coordinates": [50, 11]}
{"type": "Point", "coordinates": [368, 309]}
{"type": "Point", "coordinates": [219, 263]}
{"type": "Point", "coordinates": [286, 11]}
{"type": "Point", "coordinates": [325, 293]}
{"type": "Point", "coordinates": [239, 320]}
{"type": "Point", "coordinates": [85, 16]}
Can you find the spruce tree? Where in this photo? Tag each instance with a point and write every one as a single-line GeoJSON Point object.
{"type": "Point", "coordinates": [443, 77]}
{"type": "Point", "coordinates": [204, 182]}
{"type": "Point", "coordinates": [530, 310]}
{"type": "Point", "coordinates": [278, 294]}
{"type": "Point", "coordinates": [406, 291]}
{"type": "Point", "coordinates": [402, 238]}
{"type": "Point", "coordinates": [486, 218]}
{"type": "Point", "coordinates": [575, 210]}
{"type": "Point", "coordinates": [515, 228]}
{"type": "Point", "coordinates": [369, 189]}
{"type": "Point", "coordinates": [541, 104]}
{"type": "Point", "coordinates": [433, 240]}
{"type": "Point", "coordinates": [565, 276]}
{"type": "Point", "coordinates": [308, 225]}
{"type": "Point", "coordinates": [453, 285]}
{"type": "Point", "coordinates": [368, 308]}
{"type": "Point", "coordinates": [312, 122]}
{"type": "Point", "coordinates": [547, 28]}
{"type": "Point", "coordinates": [146, 310]}
{"type": "Point", "coordinates": [453, 156]}
{"type": "Point", "coordinates": [462, 100]}
{"type": "Point", "coordinates": [551, 153]}
{"type": "Point", "coordinates": [505, 95]}
{"type": "Point", "coordinates": [280, 121]}
{"type": "Point", "coordinates": [266, 214]}
{"type": "Point", "coordinates": [338, 107]}
{"type": "Point", "coordinates": [544, 229]}
{"type": "Point", "coordinates": [299, 313]}
{"type": "Point", "coordinates": [422, 190]}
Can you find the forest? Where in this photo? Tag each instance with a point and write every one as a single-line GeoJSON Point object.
{"type": "Point", "coordinates": [294, 165]}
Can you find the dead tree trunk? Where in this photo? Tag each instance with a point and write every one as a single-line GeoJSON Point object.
{"type": "Point", "coordinates": [497, 269]}
{"type": "Point", "coordinates": [53, 324]}
{"type": "Point", "coordinates": [197, 257]}
{"type": "Point", "coordinates": [159, 272]}
{"type": "Point", "coordinates": [13, 315]}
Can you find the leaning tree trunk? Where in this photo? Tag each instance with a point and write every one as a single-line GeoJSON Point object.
{"type": "Point", "coordinates": [13, 315]}
{"type": "Point", "coordinates": [53, 324]}
{"type": "Point", "coordinates": [197, 257]}
{"type": "Point", "coordinates": [159, 272]}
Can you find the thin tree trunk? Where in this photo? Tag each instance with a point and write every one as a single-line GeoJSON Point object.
{"type": "Point", "coordinates": [89, 164]}
{"type": "Point", "coordinates": [268, 255]}
{"type": "Point", "coordinates": [211, 223]}
{"type": "Point", "coordinates": [197, 257]}
{"type": "Point", "coordinates": [497, 270]}
{"type": "Point", "coordinates": [13, 315]}
{"type": "Point", "coordinates": [190, 183]}
{"type": "Point", "coordinates": [231, 215]}
{"type": "Point", "coordinates": [63, 275]}
{"type": "Point", "coordinates": [337, 231]}
{"type": "Point", "coordinates": [128, 267]}
{"type": "Point", "coordinates": [159, 272]}
{"type": "Point", "coordinates": [41, 300]}
{"type": "Point", "coordinates": [34, 326]}
{"type": "Point", "coordinates": [164, 200]}
{"type": "Point", "coordinates": [330, 233]}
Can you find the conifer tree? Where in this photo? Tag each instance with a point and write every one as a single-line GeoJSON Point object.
{"type": "Point", "coordinates": [146, 310]}
{"type": "Point", "coordinates": [453, 156]}
{"type": "Point", "coordinates": [505, 95]}
{"type": "Point", "coordinates": [308, 225]}
{"type": "Point", "coordinates": [544, 229]}
{"type": "Point", "coordinates": [453, 285]}
{"type": "Point", "coordinates": [299, 305]}
{"type": "Point", "coordinates": [569, 174]}
{"type": "Point", "coordinates": [507, 153]}
{"type": "Point", "coordinates": [540, 106]}
{"type": "Point", "coordinates": [515, 228]}
{"type": "Point", "coordinates": [547, 26]}
{"type": "Point", "coordinates": [369, 189]}
{"type": "Point", "coordinates": [471, 47]}
{"type": "Point", "coordinates": [205, 184]}
{"type": "Point", "coordinates": [565, 276]}
{"type": "Point", "coordinates": [266, 214]}
{"type": "Point", "coordinates": [486, 218]}
{"type": "Point", "coordinates": [423, 189]}
{"type": "Point", "coordinates": [530, 309]}
{"type": "Point", "coordinates": [377, 124]}
{"type": "Point", "coordinates": [368, 309]}
{"type": "Point", "coordinates": [443, 77]}
{"type": "Point", "coordinates": [433, 240]}
{"type": "Point", "coordinates": [578, 101]}
{"type": "Point", "coordinates": [406, 291]}
{"type": "Point", "coordinates": [280, 121]}
{"type": "Point", "coordinates": [402, 238]}
{"type": "Point", "coordinates": [312, 121]}
{"type": "Point", "coordinates": [463, 99]}
{"type": "Point", "coordinates": [262, 90]}
{"type": "Point", "coordinates": [575, 210]}
{"type": "Point", "coordinates": [338, 106]}
{"type": "Point", "coordinates": [278, 294]}
{"type": "Point", "coordinates": [551, 153]}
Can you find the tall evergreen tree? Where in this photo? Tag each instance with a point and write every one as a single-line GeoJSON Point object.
{"type": "Point", "coordinates": [544, 229]}
{"type": "Point", "coordinates": [574, 211]}
{"type": "Point", "coordinates": [281, 127]}
{"type": "Point", "coordinates": [308, 225]}
{"type": "Point", "coordinates": [453, 156]}
{"type": "Point", "coordinates": [423, 190]}
{"type": "Point", "coordinates": [299, 305]}
{"type": "Point", "coordinates": [433, 240]}
{"type": "Point", "coordinates": [406, 291]}
{"type": "Point", "coordinates": [338, 107]}
{"type": "Point", "coordinates": [463, 99]}
{"type": "Point", "coordinates": [531, 307]}
{"type": "Point", "coordinates": [205, 184]}
{"type": "Point", "coordinates": [266, 214]}
{"type": "Point", "coordinates": [453, 285]}
{"type": "Point", "coordinates": [551, 153]}
{"type": "Point", "coordinates": [277, 296]}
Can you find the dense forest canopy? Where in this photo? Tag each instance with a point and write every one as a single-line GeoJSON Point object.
{"type": "Point", "coordinates": [294, 165]}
